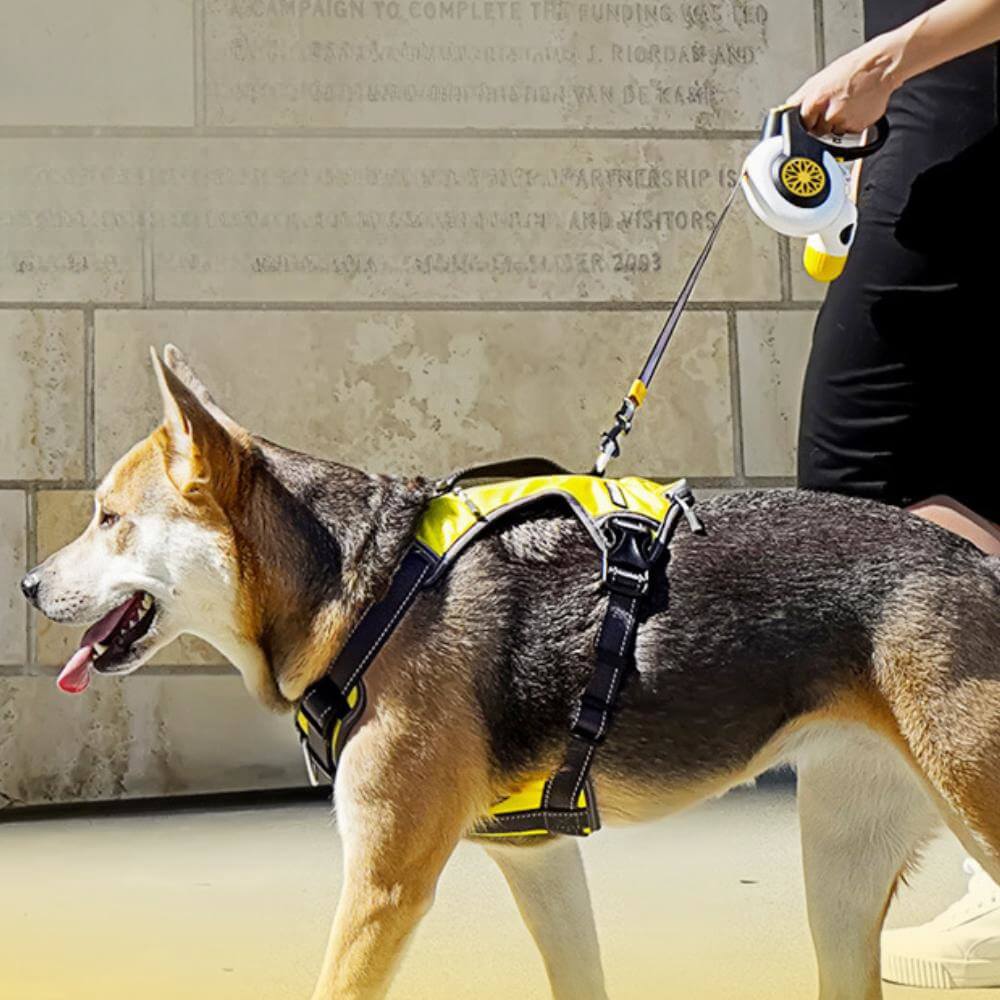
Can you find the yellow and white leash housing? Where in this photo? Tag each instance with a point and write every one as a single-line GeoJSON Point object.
{"type": "Point", "coordinates": [799, 184]}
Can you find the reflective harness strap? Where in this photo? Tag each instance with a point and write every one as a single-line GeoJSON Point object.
{"type": "Point", "coordinates": [327, 704]}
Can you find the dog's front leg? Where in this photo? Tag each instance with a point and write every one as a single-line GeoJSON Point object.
{"type": "Point", "coordinates": [550, 888]}
{"type": "Point", "coordinates": [398, 830]}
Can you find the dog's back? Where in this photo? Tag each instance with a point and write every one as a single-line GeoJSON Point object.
{"type": "Point", "coordinates": [794, 608]}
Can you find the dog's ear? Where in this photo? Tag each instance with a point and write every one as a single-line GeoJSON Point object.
{"type": "Point", "coordinates": [200, 454]}
{"type": "Point", "coordinates": [179, 365]}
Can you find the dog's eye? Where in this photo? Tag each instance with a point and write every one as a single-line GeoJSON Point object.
{"type": "Point", "coordinates": [107, 519]}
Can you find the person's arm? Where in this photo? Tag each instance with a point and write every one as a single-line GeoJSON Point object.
{"type": "Point", "coordinates": [852, 92]}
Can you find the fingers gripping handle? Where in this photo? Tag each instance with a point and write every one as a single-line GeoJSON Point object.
{"type": "Point", "coordinates": [856, 146]}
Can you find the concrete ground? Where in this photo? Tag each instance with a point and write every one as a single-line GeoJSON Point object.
{"type": "Point", "coordinates": [235, 903]}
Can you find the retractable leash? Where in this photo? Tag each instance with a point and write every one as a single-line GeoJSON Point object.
{"type": "Point", "coordinates": [795, 183]}
{"type": "Point", "coordinates": [609, 447]}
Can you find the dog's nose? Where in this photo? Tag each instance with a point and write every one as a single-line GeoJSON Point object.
{"type": "Point", "coordinates": [30, 585]}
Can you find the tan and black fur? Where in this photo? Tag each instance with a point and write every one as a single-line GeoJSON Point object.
{"type": "Point", "coordinates": [851, 638]}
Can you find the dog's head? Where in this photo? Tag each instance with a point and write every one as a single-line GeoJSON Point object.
{"type": "Point", "coordinates": [159, 557]}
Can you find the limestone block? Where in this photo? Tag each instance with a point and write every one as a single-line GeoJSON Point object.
{"type": "Point", "coordinates": [41, 394]}
{"type": "Point", "coordinates": [102, 62]}
{"type": "Point", "coordinates": [804, 288]}
{"type": "Point", "coordinates": [429, 391]}
{"type": "Point", "coordinates": [139, 736]}
{"type": "Point", "coordinates": [843, 26]}
{"type": "Point", "coordinates": [773, 350]}
{"type": "Point", "coordinates": [13, 548]}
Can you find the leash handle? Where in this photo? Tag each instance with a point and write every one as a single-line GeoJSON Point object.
{"type": "Point", "coordinates": [856, 146]}
{"type": "Point", "coordinates": [609, 447]}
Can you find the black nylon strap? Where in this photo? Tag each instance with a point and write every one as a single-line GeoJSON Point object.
{"type": "Point", "coordinates": [615, 661]}
{"type": "Point", "coordinates": [376, 625]}
{"type": "Point", "coordinates": [510, 468]}
{"type": "Point", "coordinates": [626, 578]}
{"type": "Point", "coordinates": [325, 702]}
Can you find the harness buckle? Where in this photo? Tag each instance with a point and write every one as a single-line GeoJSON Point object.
{"type": "Point", "coordinates": [624, 564]}
{"type": "Point", "coordinates": [624, 581]}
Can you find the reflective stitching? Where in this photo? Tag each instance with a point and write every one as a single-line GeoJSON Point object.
{"type": "Point", "coordinates": [582, 776]}
{"type": "Point", "coordinates": [400, 608]}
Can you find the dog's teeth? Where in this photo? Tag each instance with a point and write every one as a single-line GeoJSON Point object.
{"type": "Point", "coordinates": [100, 648]}
{"type": "Point", "coordinates": [147, 601]}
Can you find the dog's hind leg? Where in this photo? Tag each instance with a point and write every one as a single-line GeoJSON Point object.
{"type": "Point", "coordinates": [937, 667]}
{"type": "Point", "coordinates": [864, 814]}
{"type": "Point", "coordinates": [550, 887]}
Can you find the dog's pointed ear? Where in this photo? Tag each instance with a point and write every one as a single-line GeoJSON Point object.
{"type": "Point", "coordinates": [200, 454]}
{"type": "Point", "coordinates": [174, 360]}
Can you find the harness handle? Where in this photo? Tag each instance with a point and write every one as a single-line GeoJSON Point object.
{"type": "Point", "coordinates": [508, 468]}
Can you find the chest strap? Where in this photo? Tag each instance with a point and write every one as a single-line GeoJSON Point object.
{"type": "Point", "coordinates": [331, 706]}
{"type": "Point", "coordinates": [564, 802]}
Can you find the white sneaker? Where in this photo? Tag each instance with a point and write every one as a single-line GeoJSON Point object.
{"type": "Point", "coordinates": [959, 948]}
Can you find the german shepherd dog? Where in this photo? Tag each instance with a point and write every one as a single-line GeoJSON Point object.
{"type": "Point", "coordinates": [852, 639]}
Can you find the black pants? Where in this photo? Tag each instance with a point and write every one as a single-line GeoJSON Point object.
{"type": "Point", "coordinates": [903, 384]}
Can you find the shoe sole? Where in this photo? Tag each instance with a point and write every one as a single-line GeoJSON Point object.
{"type": "Point", "coordinates": [939, 973]}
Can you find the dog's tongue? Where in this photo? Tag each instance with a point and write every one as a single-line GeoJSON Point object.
{"type": "Point", "coordinates": [75, 676]}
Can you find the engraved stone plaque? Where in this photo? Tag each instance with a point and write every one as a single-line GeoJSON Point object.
{"type": "Point", "coordinates": [375, 220]}
{"type": "Point", "coordinates": [547, 64]}
{"type": "Point", "coordinates": [71, 221]}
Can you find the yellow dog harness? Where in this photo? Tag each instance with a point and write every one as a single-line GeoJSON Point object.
{"type": "Point", "coordinates": [630, 521]}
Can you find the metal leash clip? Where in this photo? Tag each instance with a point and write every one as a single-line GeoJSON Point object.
{"type": "Point", "coordinates": [610, 448]}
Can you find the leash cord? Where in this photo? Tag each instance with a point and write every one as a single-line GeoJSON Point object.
{"type": "Point", "coordinates": [609, 447]}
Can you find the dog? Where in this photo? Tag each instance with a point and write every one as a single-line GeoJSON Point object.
{"type": "Point", "coordinates": [854, 640]}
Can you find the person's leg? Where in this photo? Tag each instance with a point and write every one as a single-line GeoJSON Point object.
{"type": "Point", "coordinates": [958, 519]}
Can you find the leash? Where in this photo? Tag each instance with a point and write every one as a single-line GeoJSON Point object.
{"type": "Point", "coordinates": [794, 183]}
{"type": "Point", "coordinates": [633, 399]}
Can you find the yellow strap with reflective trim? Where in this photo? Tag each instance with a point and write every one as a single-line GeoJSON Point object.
{"type": "Point", "coordinates": [449, 517]}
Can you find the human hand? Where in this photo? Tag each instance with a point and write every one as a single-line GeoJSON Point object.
{"type": "Point", "coordinates": [851, 93]}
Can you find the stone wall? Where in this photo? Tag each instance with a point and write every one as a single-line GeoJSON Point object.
{"type": "Point", "coordinates": [407, 234]}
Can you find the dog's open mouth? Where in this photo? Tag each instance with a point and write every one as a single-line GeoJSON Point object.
{"type": "Point", "coordinates": [108, 643]}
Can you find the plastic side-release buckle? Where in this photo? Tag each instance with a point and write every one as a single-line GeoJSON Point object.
{"type": "Point", "coordinates": [624, 563]}
{"type": "Point", "coordinates": [321, 709]}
